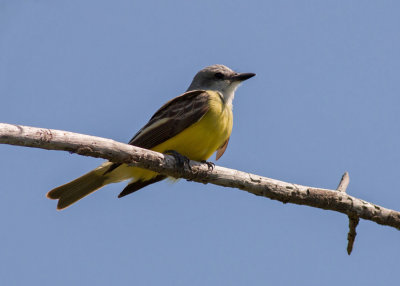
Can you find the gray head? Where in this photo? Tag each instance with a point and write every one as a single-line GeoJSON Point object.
{"type": "Point", "coordinates": [219, 78]}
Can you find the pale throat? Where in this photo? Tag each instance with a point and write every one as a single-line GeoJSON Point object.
{"type": "Point", "coordinates": [229, 92]}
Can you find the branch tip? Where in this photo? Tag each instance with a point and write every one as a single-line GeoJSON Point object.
{"type": "Point", "coordinates": [344, 182]}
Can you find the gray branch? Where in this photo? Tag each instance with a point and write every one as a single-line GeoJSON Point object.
{"type": "Point", "coordinates": [335, 200]}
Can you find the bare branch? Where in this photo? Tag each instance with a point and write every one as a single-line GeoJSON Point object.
{"type": "Point", "coordinates": [165, 164]}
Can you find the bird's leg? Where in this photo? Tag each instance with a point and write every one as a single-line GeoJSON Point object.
{"type": "Point", "coordinates": [210, 165]}
{"type": "Point", "coordinates": [181, 161]}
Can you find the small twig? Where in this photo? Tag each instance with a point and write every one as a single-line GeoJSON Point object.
{"type": "Point", "coordinates": [353, 219]}
{"type": "Point", "coordinates": [344, 182]}
{"type": "Point", "coordinates": [351, 236]}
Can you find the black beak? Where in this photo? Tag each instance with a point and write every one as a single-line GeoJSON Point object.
{"type": "Point", "coordinates": [242, 76]}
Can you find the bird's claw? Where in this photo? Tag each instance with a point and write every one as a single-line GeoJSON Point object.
{"type": "Point", "coordinates": [210, 165]}
{"type": "Point", "coordinates": [181, 161]}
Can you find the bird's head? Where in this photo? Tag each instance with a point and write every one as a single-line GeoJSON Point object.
{"type": "Point", "coordinates": [219, 78]}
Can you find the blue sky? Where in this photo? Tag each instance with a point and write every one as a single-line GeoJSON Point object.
{"type": "Point", "coordinates": [325, 100]}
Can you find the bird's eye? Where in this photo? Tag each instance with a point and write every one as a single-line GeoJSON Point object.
{"type": "Point", "coordinates": [219, 75]}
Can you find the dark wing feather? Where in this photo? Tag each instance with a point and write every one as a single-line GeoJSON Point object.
{"type": "Point", "coordinates": [139, 184]}
{"type": "Point", "coordinates": [182, 112]}
{"type": "Point", "coordinates": [179, 113]}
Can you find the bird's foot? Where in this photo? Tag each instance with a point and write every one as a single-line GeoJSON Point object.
{"type": "Point", "coordinates": [181, 161]}
{"type": "Point", "coordinates": [210, 165]}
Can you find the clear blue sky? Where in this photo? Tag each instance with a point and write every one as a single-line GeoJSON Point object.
{"type": "Point", "coordinates": [326, 99]}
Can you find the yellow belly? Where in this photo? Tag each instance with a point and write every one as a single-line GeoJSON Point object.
{"type": "Point", "coordinates": [197, 142]}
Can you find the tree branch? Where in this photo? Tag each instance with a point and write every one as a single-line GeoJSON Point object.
{"type": "Point", "coordinates": [335, 200]}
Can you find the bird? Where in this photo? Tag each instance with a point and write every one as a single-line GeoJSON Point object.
{"type": "Point", "coordinates": [193, 125]}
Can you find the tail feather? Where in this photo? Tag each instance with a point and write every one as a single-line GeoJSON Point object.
{"type": "Point", "coordinates": [79, 188]}
{"type": "Point", "coordinates": [105, 174]}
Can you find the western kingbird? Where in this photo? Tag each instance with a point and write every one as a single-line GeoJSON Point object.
{"type": "Point", "coordinates": [194, 124]}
